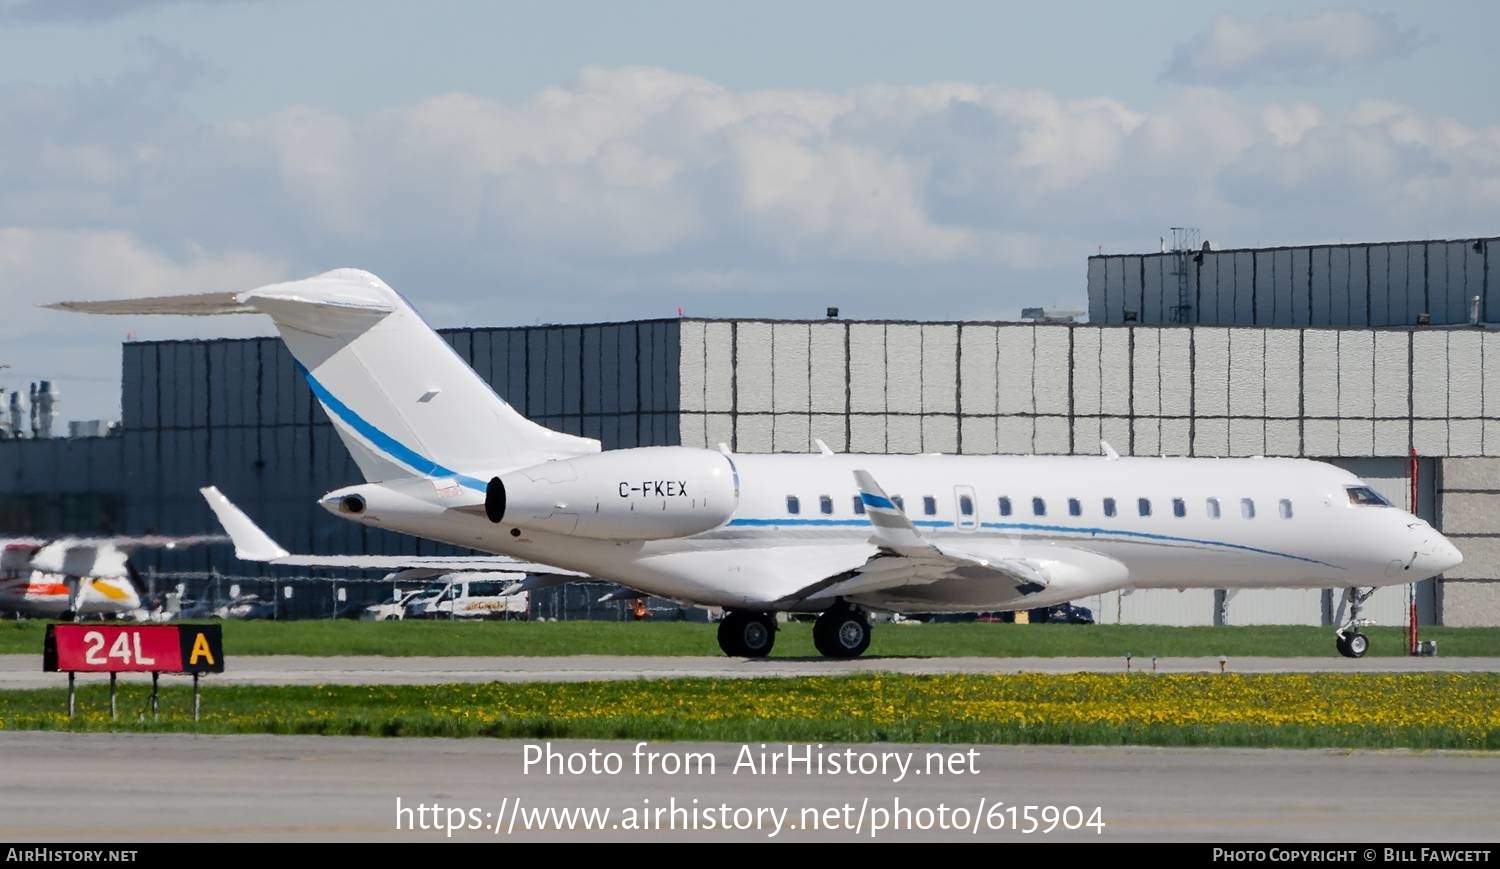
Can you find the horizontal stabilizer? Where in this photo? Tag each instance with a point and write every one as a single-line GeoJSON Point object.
{"type": "Point", "coordinates": [199, 305]}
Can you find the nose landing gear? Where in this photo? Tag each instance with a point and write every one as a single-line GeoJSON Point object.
{"type": "Point", "coordinates": [1351, 643]}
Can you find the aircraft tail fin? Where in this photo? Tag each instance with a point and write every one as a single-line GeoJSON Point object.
{"type": "Point", "coordinates": [401, 399]}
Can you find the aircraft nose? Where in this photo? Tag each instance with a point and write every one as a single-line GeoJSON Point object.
{"type": "Point", "coordinates": [1436, 554]}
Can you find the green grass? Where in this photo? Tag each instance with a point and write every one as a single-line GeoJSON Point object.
{"type": "Point", "coordinates": [794, 640]}
{"type": "Point", "coordinates": [1406, 710]}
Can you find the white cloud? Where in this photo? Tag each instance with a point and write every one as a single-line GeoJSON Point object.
{"type": "Point", "coordinates": [630, 191]}
{"type": "Point", "coordinates": [1279, 48]}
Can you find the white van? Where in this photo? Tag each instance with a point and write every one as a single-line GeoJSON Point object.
{"type": "Point", "coordinates": [470, 596]}
{"type": "Point", "coordinates": [392, 608]}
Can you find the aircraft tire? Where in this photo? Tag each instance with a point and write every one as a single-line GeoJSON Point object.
{"type": "Point", "coordinates": [841, 632]}
{"type": "Point", "coordinates": [746, 634]}
{"type": "Point", "coordinates": [1355, 645]}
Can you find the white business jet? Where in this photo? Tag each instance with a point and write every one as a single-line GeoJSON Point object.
{"type": "Point", "coordinates": [447, 459]}
{"type": "Point", "coordinates": [74, 577]}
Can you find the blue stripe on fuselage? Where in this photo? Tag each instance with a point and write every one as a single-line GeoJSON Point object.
{"type": "Point", "coordinates": [382, 441]}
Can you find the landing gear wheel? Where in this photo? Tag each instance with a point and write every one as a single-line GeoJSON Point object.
{"type": "Point", "coordinates": [747, 635]}
{"type": "Point", "coordinates": [841, 632]}
{"type": "Point", "coordinates": [1353, 645]}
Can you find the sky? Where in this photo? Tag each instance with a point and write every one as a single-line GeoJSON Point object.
{"type": "Point", "coordinates": [512, 163]}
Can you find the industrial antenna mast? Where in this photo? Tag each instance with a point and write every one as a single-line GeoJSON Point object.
{"type": "Point", "coordinates": [1185, 246]}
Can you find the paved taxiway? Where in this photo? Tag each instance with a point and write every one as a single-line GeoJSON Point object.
{"type": "Point", "coordinates": [24, 671]}
{"type": "Point", "coordinates": [137, 787]}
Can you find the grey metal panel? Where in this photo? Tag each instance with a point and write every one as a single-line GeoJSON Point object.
{"type": "Point", "coordinates": [1211, 373]}
{"type": "Point", "coordinates": [1016, 361]}
{"type": "Point", "coordinates": [1226, 270]}
{"type": "Point", "coordinates": [629, 432]}
{"type": "Point", "coordinates": [903, 434]}
{"type": "Point", "coordinates": [1176, 371]}
{"type": "Point", "coordinates": [1206, 286]}
{"type": "Point", "coordinates": [1430, 374]}
{"type": "Point", "coordinates": [1154, 305]}
{"type": "Point", "coordinates": [1116, 430]}
{"type": "Point", "coordinates": [649, 368]}
{"type": "Point", "coordinates": [1283, 437]}
{"type": "Point", "coordinates": [791, 387]}
{"type": "Point", "coordinates": [1338, 288]}
{"type": "Point", "coordinates": [791, 433]}
{"type": "Point", "coordinates": [1087, 365]}
{"type": "Point", "coordinates": [1134, 267]}
{"type": "Point", "coordinates": [1283, 281]}
{"type": "Point", "coordinates": [1211, 437]}
{"type": "Point", "coordinates": [1247, 437]}
{"type": "Point", "coordinates": [753, 367]}
{"type": "Point", "coordinates": [1115, 284]}
{"type": "Point", "coordinates": [609, 370]}
{"type": "Point", "coordinates": [1356, 366]}
{"type": "Point", "coordinates": [168, 395]}
{"type": "Point", "coordinates": [1465, 374]}
{"type": "Point", "coordinates": [1490, 396]}
{"type": "Point", "coordinates": [1145, 433]}
{"type": "Point", "coordinates": [591, 373]}
{"type": "Point", "coordinates": [977, 369]}
{"type": "Point", "coordinates": [1247, 373]}
{"type": "Point", "coordinates": [829, 377]}
{"type": "Point", "coordinates": [571, 367]}
{"type": "Point", "coordinates": [694, 366]}
{"type": "Point", "coordinates": [1391, 373]}
{"type": "Point", "coordinates": [1435, 259]}
{"type": "Point", "coordinates": [535, 361]}
{"type": "Point", "coordinates": [1320, 437]}
{"type": "Point", "coordinates": [217, 397]}
{"type": "Point", "coordinates": [867, 433]}
{"type": "Point", "coordinates": [832, 429]}
{"type": "Point", "coordinates": [1015, 435]}
{"type": "Point", "coordinates": [1053, 436]}
{"type": "Point", "coordinates": [1465, 437]}
{"type": "Point", "coordinates": [1361, 301]}
{"type": "Point", "coordinates": [1391, 437]}
{"type": "Point", "coordinates": [1145, 371]}
{"type": "Point", "coordinates": [484, 360]}
{"type": "Point", "coordinates": [1086, 435]}
{"type": "Point", "coordinates": [939, 433]}
{"type": "Point", "coordinates": [1430, 436]}
{"type": "Point", "coordinates": [1387, 277]}
{"type": "Point", "coordinates": [718, 359]}
{"type": "Point", "coordinates": [1300, 313]}
{"type": "Point", "coordinates": [1474, 284]}
{"type": "Point", "coordinates": [1050, 379]}
{"type": "Point", "coordinates": [977, 434]}
{"type": "Point", "coordinates": [670, 358]}
{"type": "Point", "coordinates": [609, 433]}
{"type": "Point", "coordinates": [132, 372]}
{"type": "Point", "coordinates": [555, 363]}
{"type": "Point", "coordinates": [629, 375]}
{"type": "Point", "coordinates": [1263, 287]}
{"type": "Point", "coordinates": [753, 432]}
{"type": "Point", "coordinates": [1114, 369]}
{"type": "Point", "coordinates": [1283, 372]}
{"type": "Point", "coordinates": [867, 368]}
{"type": "Point", "coordinates": [1356, 437]}
{"type": "Point", "coordinates": [233, 379]}
{"type": "Point", "coordinates": [1318, 288]}
{"type": "Point", "coordinates": [1096, 289]}
{"type": "Point", "coordinates": [940, 368]}
{"type": "Point", "coordinates": [1418, 293]}
{"type": "Point", "coordinates": [903, 368]}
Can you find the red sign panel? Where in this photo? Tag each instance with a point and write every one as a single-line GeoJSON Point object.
{"type": "Point", "coordinates": [139, 648]}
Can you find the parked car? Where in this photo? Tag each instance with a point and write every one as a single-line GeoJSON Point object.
{"type": "Point", "coordinates": [394, 607]}
{"type": "Point", "coordinates": [471, 596]}
{"type": "Point", "coordinates": [1062, 614]}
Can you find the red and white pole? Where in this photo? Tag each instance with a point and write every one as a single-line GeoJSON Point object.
{"type": "Point", "coordinates": [1411, 587]}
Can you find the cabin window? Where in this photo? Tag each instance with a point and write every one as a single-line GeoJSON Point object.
{"type": "Point", "coordinates": [1004, 506]}
{"type": "Point", "coordinates": [1144, 505]}
{"type": "Point", "coordinates": [1247, 508]}
{"type": "Point", "coordinates": [1074, 507]}
{"type": "Point", "coordinates": [929, 505]}
{"type": "Point", "coordinates": [1179, 507]}
{"type": "Point", "coordinates": [1109, 507]}
{"type": "Point", "coordinates": [793, 505]}
{"type": "Point", "coordinates": [1038, 507]}
{"type": "Point", "coordinates": [859, 506]}
{"type": "Point", "coordinates": [900, 504]}
{"type": "Point", "coordinates": [825, 505]}
{"type": "Point", "coordinates": [1286, 508]}
{"type": "Point", "coordinates": [1212, 508]}
{"type": "Point", "coordinates": [966, 505]}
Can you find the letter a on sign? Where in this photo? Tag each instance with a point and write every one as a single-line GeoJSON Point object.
{"type": "Point", "coordinates": [201, 650]}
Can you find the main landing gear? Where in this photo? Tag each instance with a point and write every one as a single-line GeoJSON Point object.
{"type": "Point", "coordinates": [1352, 643]}
{"type": "Point", "coordinates": [747, 634]}
{"type": "Point", "coordinates": [842, 631]}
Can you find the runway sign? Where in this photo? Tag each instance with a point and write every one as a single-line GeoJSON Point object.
{"type": "Point", "coordinates": [100, 648]}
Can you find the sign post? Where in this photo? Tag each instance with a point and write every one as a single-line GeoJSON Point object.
{"type": "Point", "coordinates": [115, 649]}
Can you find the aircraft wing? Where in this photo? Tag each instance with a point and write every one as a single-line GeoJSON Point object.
{"type": "Point", "coordinates": [904, 559]}
{"type": "Point", "coordinates": [253, 544]}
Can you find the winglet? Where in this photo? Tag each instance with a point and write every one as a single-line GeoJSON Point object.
{"type": "Point", "coordinates": [250, 543]}
{"type": "Point", "coordinates": [892, 529]}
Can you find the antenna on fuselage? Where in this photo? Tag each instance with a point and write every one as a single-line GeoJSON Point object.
{"type": "Point", "coordinates": [1109, 451]}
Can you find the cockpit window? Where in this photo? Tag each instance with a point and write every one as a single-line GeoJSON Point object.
{"type": "Point", "coordinates": [1364, 496]}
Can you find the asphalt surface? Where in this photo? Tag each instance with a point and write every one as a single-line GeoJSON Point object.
{"type": "Point", "coordinates": [24, 671]}
{"type": "Point", "coordinates": [145, 788]}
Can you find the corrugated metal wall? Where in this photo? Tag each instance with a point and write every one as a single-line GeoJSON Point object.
{"type": "Point", "coordinates": [1385, 284]}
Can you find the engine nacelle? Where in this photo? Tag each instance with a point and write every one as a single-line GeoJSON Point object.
{"type": "Point", "coordinates": [649, 493]}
